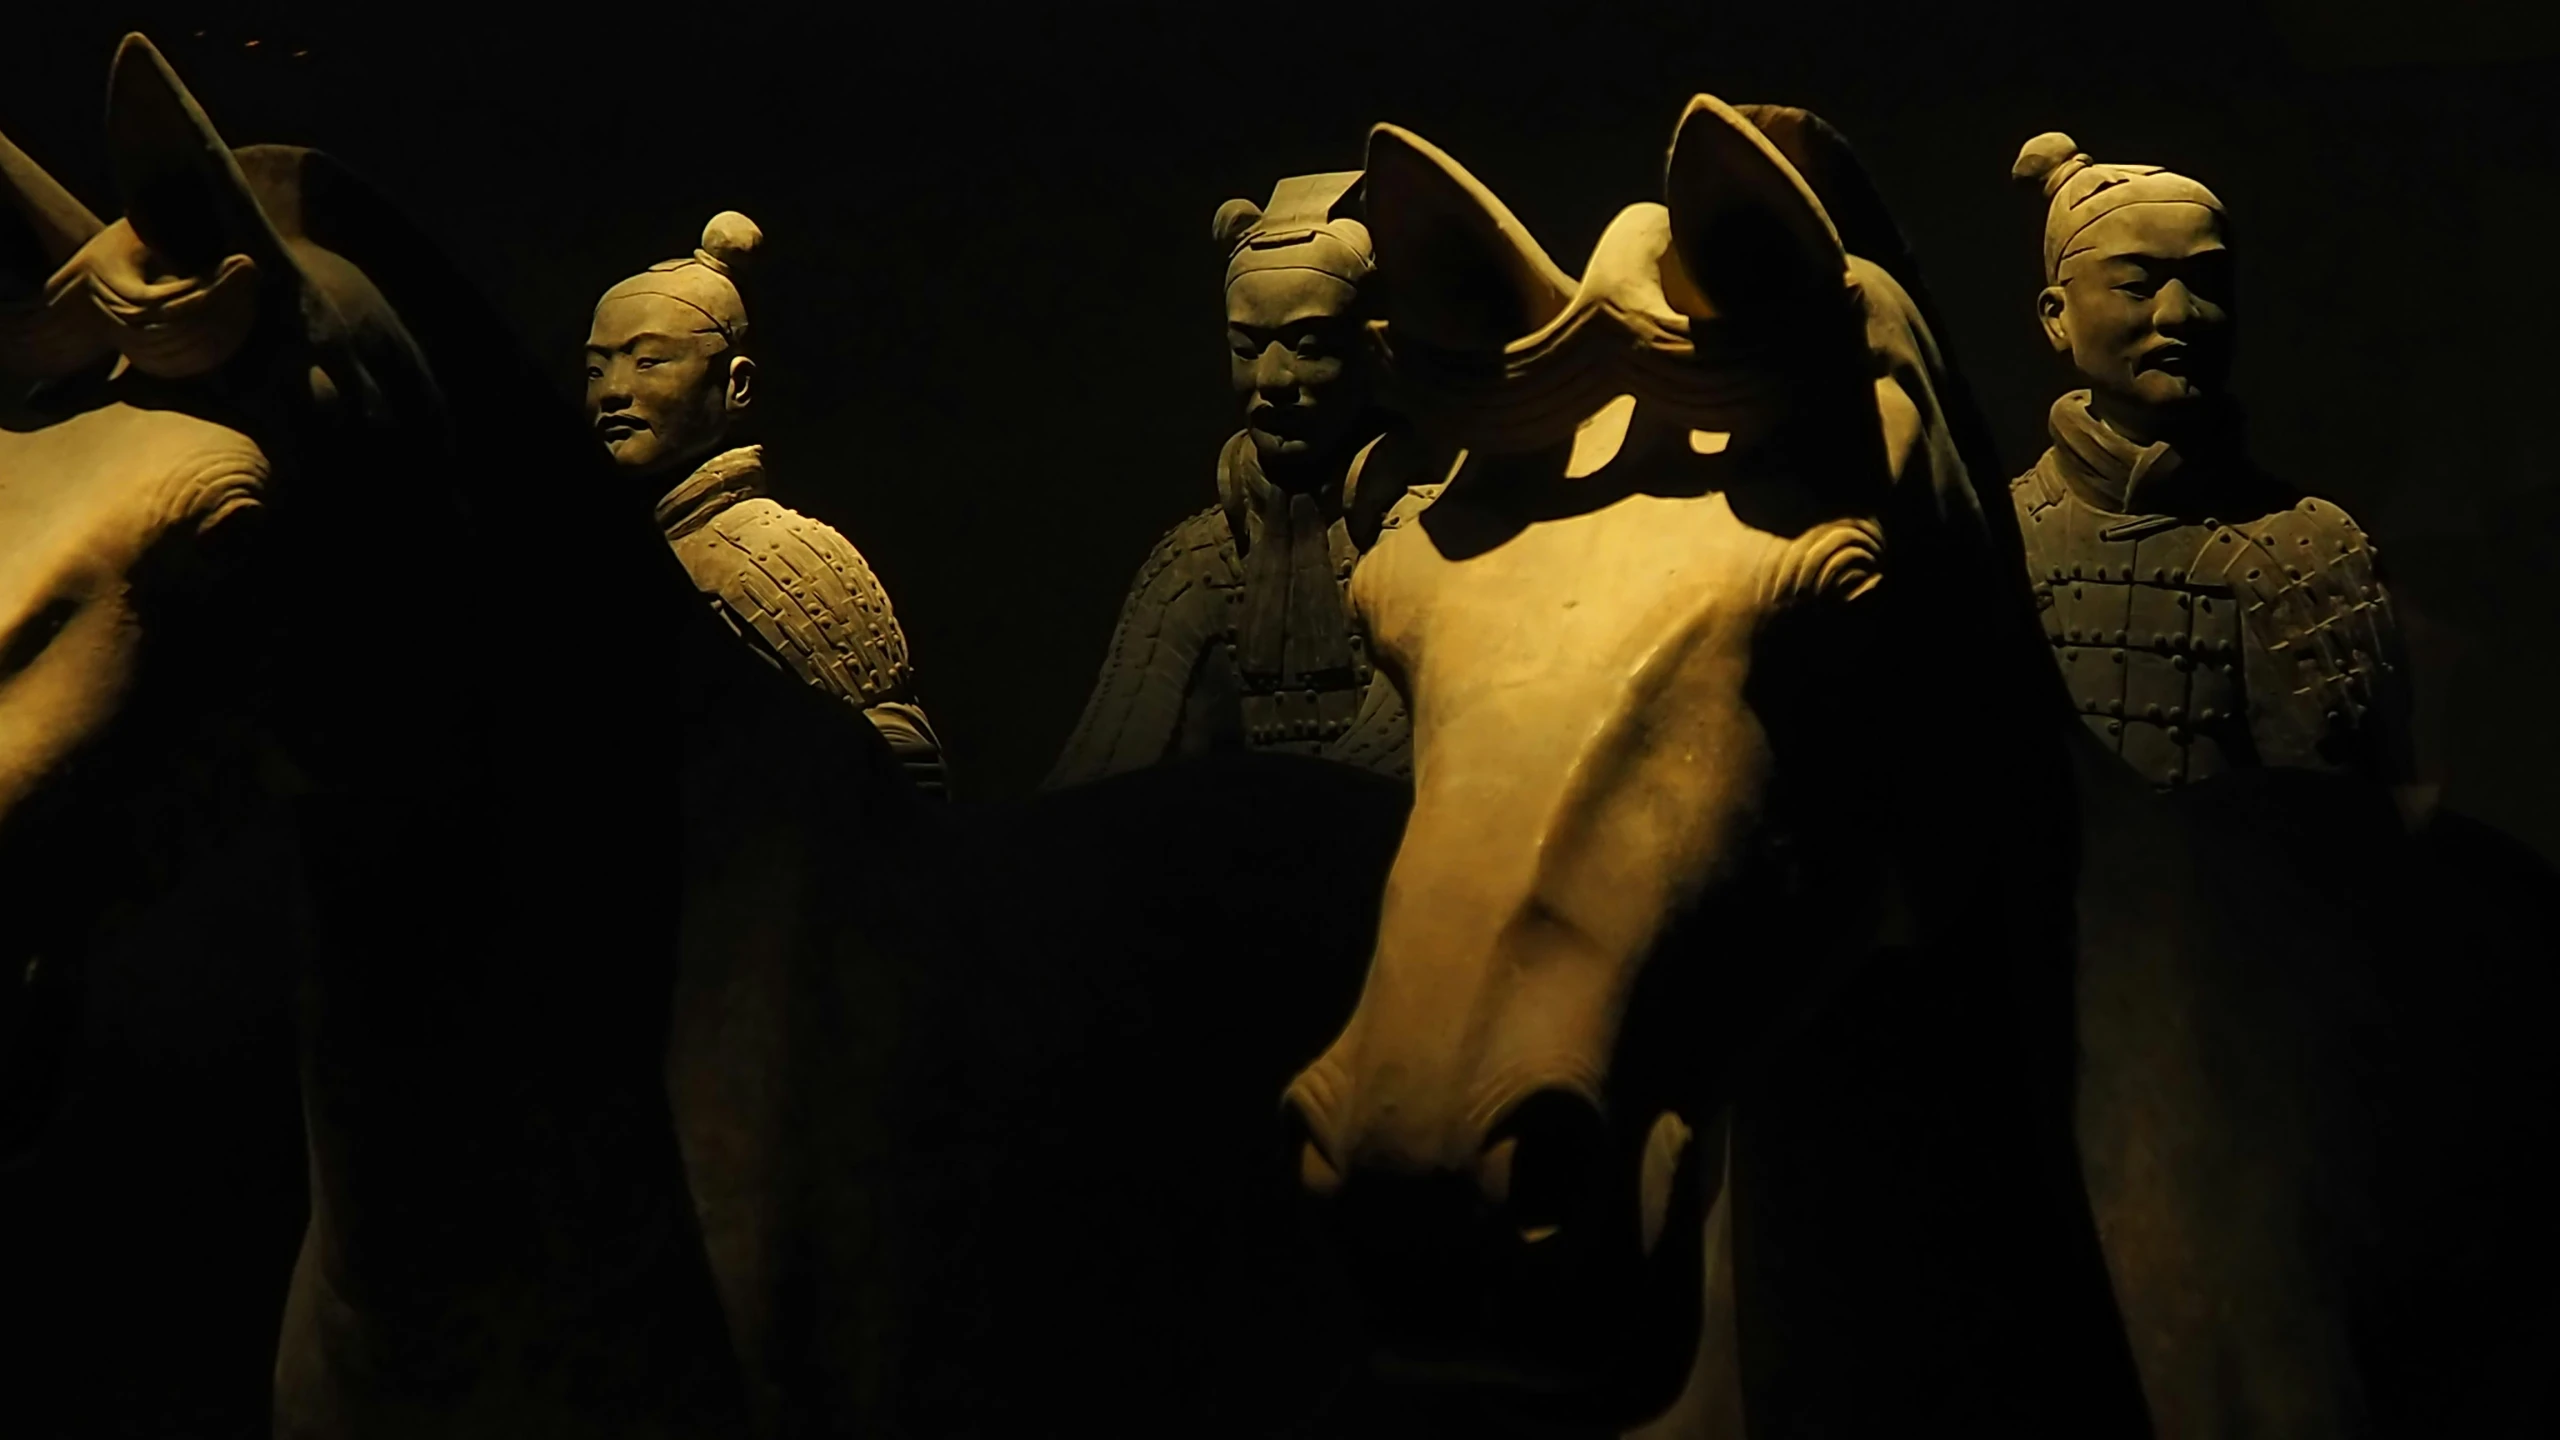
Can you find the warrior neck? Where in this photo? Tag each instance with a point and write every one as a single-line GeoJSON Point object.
{"type": "Point", "coordinates": [714, 486]}
{"type": "Point", "coordinates": [2114, 470]}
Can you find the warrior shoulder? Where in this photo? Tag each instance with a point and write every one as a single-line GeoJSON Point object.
{"type": "Point", "coordinates": [2036, 488]}
{"type": "Point", "coordinates": [1196, 552]}
{"type": "Point", "coordinates": [2310, 531]}
{"type": "Point", "coordinates": [812, 592]}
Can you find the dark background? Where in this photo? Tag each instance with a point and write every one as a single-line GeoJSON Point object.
{"type": "Point", "coordinates": [989, 315]}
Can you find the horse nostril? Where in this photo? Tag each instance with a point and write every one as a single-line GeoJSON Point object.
{"type": "Point", "coordinates": [1540, 1162]}
{"type": "Point", "coordinates": [1316, 1174]}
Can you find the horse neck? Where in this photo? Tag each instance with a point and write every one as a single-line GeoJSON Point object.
{"type": "Point", "coordinates": [490, 867]}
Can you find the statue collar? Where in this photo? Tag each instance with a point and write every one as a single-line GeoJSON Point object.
{"type": "Point", "coordinates": [2111, 473]}
{"type": "Point", "coordinates": [720, 482]}
{"type": "Point", "coordinates": [1293, 631]}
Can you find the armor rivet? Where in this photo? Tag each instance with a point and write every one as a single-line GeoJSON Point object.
{"type": "Point", "coordinates": [2150, 712]}
{"type": "Point", "coordinates": [2122, 638]}
{"type": "Point", "coordinates": [2182, 662]}
{"type": "Point", "coordinates": [2177, 736]}
{"type": "Point", "coordinates": [2070, 655]}
{"type": "Point", "coordinates": [2079, 594]}
{"type": "Point", "coordinates": [2115, 707]}
{"type": "Point", "coordinates": [2253, 574]}
{"type": "Point", "coordinates": [2224, 537]}
{"type": "Point", "coordinates": [2057, 573]}
{"type": "Point", "coordinates": [2102, 572]}
{"type": "Point", "coordinates": [2115, 727]}
{"type": "Point", "coordinates": [2089, 705]}
{"type": "Point", "coordinates": [2072, 634]}
{"type": "Point", "coordinates": [2075, 572]}
{"type": "Point", "coordinates": [2158, 574]}
{"type": "Point", "coordinates": [2119, 657]}
{"type": "Point", "coordinates": [2186, 602]}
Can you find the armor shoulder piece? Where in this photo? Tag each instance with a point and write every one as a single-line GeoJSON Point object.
{"type": "Point", "coordinates": [2327, 676]}
{"type": "Point", "coordinates": [807, 593]}
{"type": "Point", "coordinates": [1177, 606]}
{"type": "Point", "coordinates": [2037, 498]}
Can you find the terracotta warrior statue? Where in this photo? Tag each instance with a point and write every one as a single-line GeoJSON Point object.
{"type": "Point", "coordinates": [1235, 633]}
{"type": "Point", "coordinates": [2206, 617]}
{"type": "Point", "coordinates": [670, 376]}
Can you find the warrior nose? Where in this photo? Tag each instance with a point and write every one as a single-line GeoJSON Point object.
{"type": "Point", "coordinates": [2177, 307]}
{"type": "Point", "coordinates": [1273, 375]}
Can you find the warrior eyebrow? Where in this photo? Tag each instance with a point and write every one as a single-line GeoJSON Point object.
{"type": "Point", "coordinates": [595, 349]}
{"type": "Point", "coordinates": [1316, 318]}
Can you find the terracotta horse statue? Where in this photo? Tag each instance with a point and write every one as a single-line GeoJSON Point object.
{"type": "Point", "coordinates": [1779, 1020]}
{"type": "Point", "coordinates": [449, 971]}
{"type": "Point", "coordinates": [293, 608]}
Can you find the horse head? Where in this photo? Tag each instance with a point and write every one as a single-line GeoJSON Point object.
{"type": "Point", "coordinates": [1695, 499]}
{"type": "Point", "coordinates": [133, 624]}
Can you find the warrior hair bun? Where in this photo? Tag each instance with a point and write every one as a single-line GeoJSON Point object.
{"type": "Point", "coordinates": [2047, 161]}
{"type": "Point", "coordinates": [729, 242]}
{"type": "Point", "coordinates": [1233, 220]}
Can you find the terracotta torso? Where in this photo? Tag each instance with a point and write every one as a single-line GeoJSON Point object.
{"type": "Point", "coordinates": [799, 592]}
{"type": "Point", "coordinates": [1176, 682]}
{"type": "Point", "coordinates": [2205, 622]}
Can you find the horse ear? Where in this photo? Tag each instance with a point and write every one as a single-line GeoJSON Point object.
{"type": "Point", "coordinates": [184, 193]}
{"type": "Point", "coordinates": [1746, 227]}
{"type": "Point", "coordinates": [1463, 273]}
{"type": "Point", "coordinates": [58, 223]}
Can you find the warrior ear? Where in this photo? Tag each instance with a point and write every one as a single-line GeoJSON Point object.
{"type": "Point", "coordinates": [183, 191]}
{"type": "Point", "coordinates": [56, 224]}
{"type": "Point", "coordinates": [1463, 273]}
{"type": "Point", "coordinates": [1745, 226]}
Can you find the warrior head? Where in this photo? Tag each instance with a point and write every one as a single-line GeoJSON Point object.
{"type": "Point", "coordinates": [1298, 280]}
{"type": "Point", "coordinates": [2137, 285]}
{"type": "Point", "coordinates": [668, 367]}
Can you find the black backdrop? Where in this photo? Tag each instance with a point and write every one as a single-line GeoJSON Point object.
{"type": "Point", "coordinates": [991, 334]}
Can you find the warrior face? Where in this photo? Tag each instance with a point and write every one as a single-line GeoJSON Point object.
{"type": "Point", "coordinates": [2144, 307]}
{"type": "Point", "coordinates": [663, 386]}
{"type": "Point", "coordinates": [1296, 357]}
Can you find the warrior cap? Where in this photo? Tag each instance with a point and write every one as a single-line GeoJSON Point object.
{"type": "Point", "coordinates": [706, 280]}
{"type": "Point", "coordinates": [1310, 224]}
{"type": "Point", "coordinates": [2082, 191]}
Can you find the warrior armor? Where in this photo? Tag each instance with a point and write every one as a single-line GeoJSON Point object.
{"type": "Point", "coordinates": [1237, 633]}
{"type": "Point", "coordinates": [803, 597]}
{"type": "Point", "coordinates": [2194, 644]}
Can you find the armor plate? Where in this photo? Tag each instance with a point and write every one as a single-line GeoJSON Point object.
{"type": "Point", "coordinates": [802, 597]}
{"type": "Point", "coordinates": [2191, 647]}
